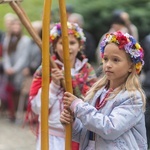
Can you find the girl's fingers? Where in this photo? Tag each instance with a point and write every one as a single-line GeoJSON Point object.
{"type": "Point", "coordinates": [66, 104]}
{"type": "Point", "coordinates": [57, 73]}
{"type": "Point", "coordinates": [66, 117]}
{"type": "Point", "coordinates": [66, 100]}
{"type": "Point", "coordinates": [63, 121]}
{"type": "Point", "coordinates": [67, 94]}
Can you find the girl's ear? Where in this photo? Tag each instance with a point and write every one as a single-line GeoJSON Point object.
{"type": "Point", "coordinates": [131, 65]}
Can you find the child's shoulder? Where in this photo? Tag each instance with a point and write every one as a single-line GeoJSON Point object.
{"type": "Point", "coordinates": [131, 93]}
{"type": "Point", "coordinates": [125, 95]}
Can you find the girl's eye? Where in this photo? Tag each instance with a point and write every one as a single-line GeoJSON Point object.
{"type": "Point", "coordinates": [72, 43]}
{"type": "Point", "coordinates": [116, 59]}
{"type": "Point", "coordinates": [105, 59]}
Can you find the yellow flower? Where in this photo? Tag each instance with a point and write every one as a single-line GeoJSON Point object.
{"type": "Point", "coordinates": [137, 46]}
{"type": "Point", "coordinates": [77, 34]}
{"type": "Point", "coordinates": [52, 37]}
{"type": "Point", "coordinates": [138, 65]}
{"type": "Point", "coordinates": [113, 39]}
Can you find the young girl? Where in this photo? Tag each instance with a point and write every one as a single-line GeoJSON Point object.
{"type": "Point", "coordinates": [113, 116]}
{"type": "Point", "coordinates": [83, 76]}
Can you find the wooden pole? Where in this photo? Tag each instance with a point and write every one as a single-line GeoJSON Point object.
{"type": "Point", "coordinates": [66, 56]}
{"type": "Point", "coordinates": [45, 75]}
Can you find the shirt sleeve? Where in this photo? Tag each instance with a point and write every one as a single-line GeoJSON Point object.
{"type": "Point", "coordinates": [53, 97]}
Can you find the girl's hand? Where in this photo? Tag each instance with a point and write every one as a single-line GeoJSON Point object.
{"type": "Point", "coordinates": [57, 75]}
{"type": "Point", "coordinates": [66, 117]}
{"type": "Point", "coordinates": [68, 99]}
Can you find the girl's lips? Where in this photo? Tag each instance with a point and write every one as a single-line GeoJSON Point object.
{"type": "Point", "coordinates": [108, 71]}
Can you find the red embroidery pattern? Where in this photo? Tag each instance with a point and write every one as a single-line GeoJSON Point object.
{"type": "Point", "coordinates": [101, 104]}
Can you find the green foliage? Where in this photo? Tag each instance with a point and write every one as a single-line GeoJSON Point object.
{"type": "Point", "coordinates": [33, 9]}
{"type": "Point", "coordinates": [97, 13]}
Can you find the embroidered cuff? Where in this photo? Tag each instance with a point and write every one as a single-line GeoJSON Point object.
{"type": "Point", "coordinates": [75, 103]}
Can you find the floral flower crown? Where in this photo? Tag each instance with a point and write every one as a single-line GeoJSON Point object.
{"type": "Point", "coordinates": [129, 44]}
{"type": "Point", "coordinates": [73, 29]}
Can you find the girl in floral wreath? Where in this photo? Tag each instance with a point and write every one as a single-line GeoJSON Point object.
{"type": "Point", "coordinates": [83, 76]}
{"type": "Point", "coordinates": [112, 115]}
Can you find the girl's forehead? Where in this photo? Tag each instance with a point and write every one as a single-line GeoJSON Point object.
{"type": "Point", "coordinates": [113, 50]}
{"type": "Point", "coordinates": [70, 37]}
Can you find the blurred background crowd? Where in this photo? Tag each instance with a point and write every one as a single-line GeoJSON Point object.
{"type": "Point", "coordinates": [20, 56]}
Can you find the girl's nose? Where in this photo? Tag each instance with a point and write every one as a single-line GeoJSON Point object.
{"type": "Point", "coordinates": [70, 49]}
{"type": "Point", "coordinates": [109, 64]}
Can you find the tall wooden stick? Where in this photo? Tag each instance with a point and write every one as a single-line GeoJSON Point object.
{"type": "Point", "coordinates": [66, 56]}
{"type": "Point", "coordinates": [45, 75]}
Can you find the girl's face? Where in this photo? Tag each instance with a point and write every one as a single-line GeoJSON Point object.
{"type": "Point", "coordinates": [16, 27]}
{"type": "Point", "coordinates": [74, 48]}
{"type": "Point", "coordinates": [116, 65]}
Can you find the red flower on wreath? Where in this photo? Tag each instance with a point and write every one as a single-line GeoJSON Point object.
{"type": "Point", "coordinates": [122, 40]}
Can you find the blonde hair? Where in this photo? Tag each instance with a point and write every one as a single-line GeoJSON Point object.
{"type": "Point", "coordinates": [132, 84]}
{"type": "Point", "coordinates": [10, 17]}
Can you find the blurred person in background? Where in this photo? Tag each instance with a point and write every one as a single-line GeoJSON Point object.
{"type": "Point", "coordinates": [8, 18]}
{"type": "Point", "coordinates": [34, 55]}
{"type": "Point", "coordinates": [89, 48]}
{"type": "Point", "coordinates": [117, 23]}
{"type": "Point", "coordinates": [3, 80]}
{"type": "Point", "coordinates": [69, 10]}
{"type": "Point", "coordinates": [34, 61]}
{"type": "Point", "coordinates": [15, 52]}
{"type": "Point", "coordinates": [132, 29]}
{"type": "Point", "coordinates": [146, 83]}
{"type": "Point", "coordinates": [1, 51]}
